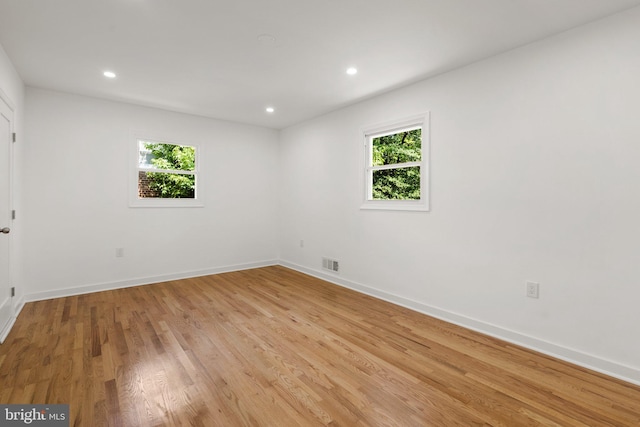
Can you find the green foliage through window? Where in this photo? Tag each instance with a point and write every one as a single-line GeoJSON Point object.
{"type": "Point", "coordinates": [396, 184]}
{"type": "Point", "coordinates": [395, 173]}
{"type": "Point", "coordinates": [171, 170]}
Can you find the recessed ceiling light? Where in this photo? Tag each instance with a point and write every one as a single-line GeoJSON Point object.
{"type": "Point", "coordinates": [352, 70]}
{"type": "Point", "coordinates": [270, 109]}
{"type": "Point", "coordinates": [109, 74]}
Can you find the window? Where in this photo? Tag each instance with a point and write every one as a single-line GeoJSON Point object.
{"type": "Point", "coordinates": [165, 174]}
{"type": "Point", "coordinates": [396, 165]}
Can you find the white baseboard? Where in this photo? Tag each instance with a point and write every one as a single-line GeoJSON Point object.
{"type": "Point", "coordinates": [16, 309]}
{"type": "Point", "coordinates": [7, 328]}
{"type": "Point", "coordinates": [99, 287]}
{"type": "Point", "coordinates": [607, 367]}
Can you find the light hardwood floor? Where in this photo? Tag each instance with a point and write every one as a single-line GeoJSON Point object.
{"type": "Point", "coordinates": [273, 347]}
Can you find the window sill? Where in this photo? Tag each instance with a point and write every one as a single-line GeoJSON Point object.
{"type": "Point", "coordinates": [395, 205]}
{"type": "Point", "coordinates": [166, 203]}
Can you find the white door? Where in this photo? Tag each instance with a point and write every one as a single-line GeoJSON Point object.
{"type": "Point", "coordinates": [6, 306]}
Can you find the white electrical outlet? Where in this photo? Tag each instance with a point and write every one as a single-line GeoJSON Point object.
{"type": "Point", "coordinates": [119, 252]}
{"type": "Point", "coordinates": [533, 290]}
{"type": "Point", "coordinates": [302, 243]}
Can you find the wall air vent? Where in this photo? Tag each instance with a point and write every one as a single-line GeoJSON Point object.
{"type": "Point", "coordinates": [330, 264]}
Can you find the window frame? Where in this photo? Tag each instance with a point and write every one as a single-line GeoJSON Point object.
{"type": "Point", "coordinates": [135, 201]}
{"type": "Point", "coordinates": [368, 134]}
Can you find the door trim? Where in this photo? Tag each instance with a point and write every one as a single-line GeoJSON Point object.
{"type": "Point", "coordinates": [7, 307]}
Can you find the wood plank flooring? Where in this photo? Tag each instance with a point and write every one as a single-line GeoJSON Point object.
{"type": "Point", "coordinates": [273, 347]}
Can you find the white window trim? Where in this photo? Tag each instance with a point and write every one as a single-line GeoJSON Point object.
{"type": "Point", "coordinates": [422, 121]}
{"type": "Point", "coordinates": [137, 202]}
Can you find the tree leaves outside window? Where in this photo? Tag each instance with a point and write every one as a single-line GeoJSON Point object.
{"type": "Point", "coordinates": [166, 171]}
{"type": "Point", "coordinates": [395, 173]}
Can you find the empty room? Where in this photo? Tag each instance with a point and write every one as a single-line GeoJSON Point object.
{"type": "Point", "coordinates": [307, 213]}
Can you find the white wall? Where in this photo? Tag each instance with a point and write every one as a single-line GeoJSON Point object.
{"type": "Point", "coordinates": [76, 209]}
{"type": "Point", "coordinates": [10, 81]}
{"type": "Point", "coordinates": [535, 175]}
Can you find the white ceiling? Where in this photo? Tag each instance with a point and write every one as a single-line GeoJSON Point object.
{"type": "Point", "coordinates": [204, 57]}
